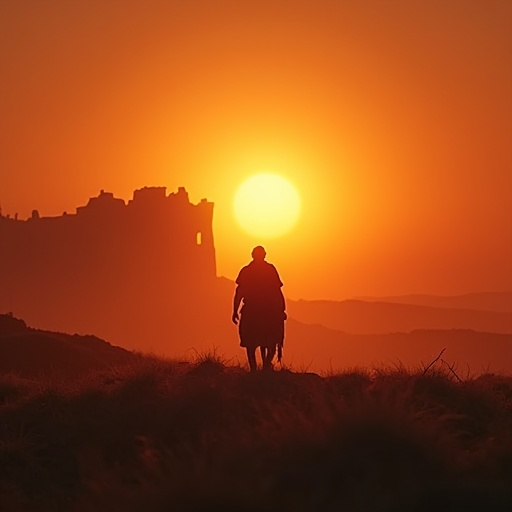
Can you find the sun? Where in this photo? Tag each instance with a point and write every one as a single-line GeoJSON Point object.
{"type": "Point", "coordinates": [266, 205]}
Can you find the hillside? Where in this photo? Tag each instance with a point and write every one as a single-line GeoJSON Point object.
{"type": "Point", "coordinates": [33, 353]}
{"type": "Point", "coordinates": [159, 435]}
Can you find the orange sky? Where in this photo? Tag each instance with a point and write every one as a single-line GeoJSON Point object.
{"type": "Point", "coordinates": [393, 119]}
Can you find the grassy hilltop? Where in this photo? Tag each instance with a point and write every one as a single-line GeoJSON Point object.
{"type": "Point", "coordinates": [157, 435]}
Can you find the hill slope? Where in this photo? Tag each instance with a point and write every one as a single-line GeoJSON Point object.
{"type": "Point", "coordinates": [159, 436]}
{"type": "Point", "coordinates": [32, 353]}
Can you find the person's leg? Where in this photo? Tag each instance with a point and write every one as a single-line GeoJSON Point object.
{"type": "Point", "coordinates": [263, 353]}
{"type": "Point", "coordinates": [251, 357]}
{"type": "Point", "coordinates": [270, 352]}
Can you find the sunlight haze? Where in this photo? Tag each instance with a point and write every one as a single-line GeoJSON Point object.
{"type": "Point", "coordinates": [393, 120]}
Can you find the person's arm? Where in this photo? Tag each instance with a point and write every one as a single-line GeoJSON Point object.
{"type": "Point", "coordinates": [236, 305]}
{"type": "Point", "coordinates": [282, 303]}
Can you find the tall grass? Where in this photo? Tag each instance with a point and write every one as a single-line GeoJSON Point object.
{"type": "Point", "coordinates": [158, 435]}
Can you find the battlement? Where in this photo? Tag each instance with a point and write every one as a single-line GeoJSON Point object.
{"type": "Point", "coordinates": [146, 198]}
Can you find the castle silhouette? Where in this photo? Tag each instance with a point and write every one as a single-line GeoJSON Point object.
{"type": "Point", "coordinates": [117, 269]}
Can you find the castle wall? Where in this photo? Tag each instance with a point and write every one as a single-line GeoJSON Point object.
{"type": "Point", "coordinates": [111, 267]}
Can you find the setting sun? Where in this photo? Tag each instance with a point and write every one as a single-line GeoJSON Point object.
{"type": "Point", "coordinates": [267, 205]}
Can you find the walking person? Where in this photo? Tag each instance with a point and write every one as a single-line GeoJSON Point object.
{"type": "Point", "coordinates": [261, 318]}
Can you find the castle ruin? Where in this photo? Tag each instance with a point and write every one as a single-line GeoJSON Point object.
{"type": "Point", "coordinates": [112, 268]}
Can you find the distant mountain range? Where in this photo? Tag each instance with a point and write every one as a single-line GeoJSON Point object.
{"type": "Point", "coordinates": [484, 301]}
{"type": "Point", "coordinates": [318, 348]}
{"type": "Point", "coordinates": [475, 330]}
{"type": "Point", "coordinates": [397, 314]}
{"type": "Point", "coordinates": [376, 317]}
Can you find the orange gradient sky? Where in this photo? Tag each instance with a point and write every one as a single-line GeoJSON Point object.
{"type": "Point", "coordinates": [392, 118]}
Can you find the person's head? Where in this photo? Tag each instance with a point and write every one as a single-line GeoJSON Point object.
{"type": "Point", "coordinates": [258, 253]}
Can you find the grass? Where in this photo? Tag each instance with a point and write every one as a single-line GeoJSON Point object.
{"type": "Point", "coordinates": [158, 435]}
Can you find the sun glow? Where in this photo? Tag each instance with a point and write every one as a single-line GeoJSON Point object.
{"type": "Point", "coordinates": [267, 205]}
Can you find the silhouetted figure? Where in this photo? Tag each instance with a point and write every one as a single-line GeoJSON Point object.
{"type": "Point", "coordinates": [261, 323]}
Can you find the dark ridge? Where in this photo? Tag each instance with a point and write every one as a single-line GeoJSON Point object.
{"type": "Point", "coordinates": [33, 353]}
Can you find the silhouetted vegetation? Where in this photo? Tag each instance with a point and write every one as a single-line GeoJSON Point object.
{"type": "Point", "coordinates": [158, 435]}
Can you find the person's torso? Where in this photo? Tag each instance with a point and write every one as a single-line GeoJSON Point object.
{"type": "Point", "coordinates": [261, 286]}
